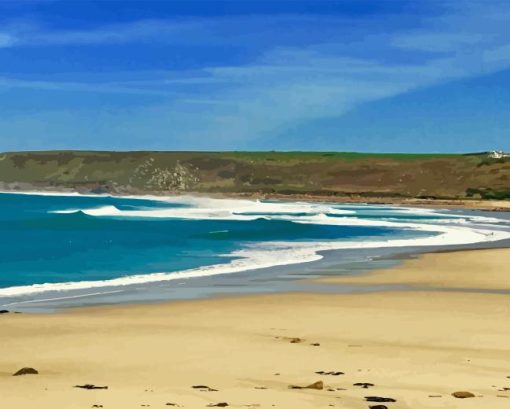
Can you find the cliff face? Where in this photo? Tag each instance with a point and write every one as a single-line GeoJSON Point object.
{"type": "Point", "coordinates": [323, 174]}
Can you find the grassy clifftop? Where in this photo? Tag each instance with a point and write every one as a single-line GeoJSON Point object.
{"type": "Point", "coordinates": [317, 173]}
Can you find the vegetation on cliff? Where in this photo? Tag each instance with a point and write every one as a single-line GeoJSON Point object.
{"type": "Point", "coordinates": [283, 173]}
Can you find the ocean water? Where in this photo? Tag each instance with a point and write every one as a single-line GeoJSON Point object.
{"type": "Point", "coordinates": [54, 245]}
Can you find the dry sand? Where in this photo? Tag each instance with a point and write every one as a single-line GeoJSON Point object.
{"type": "Point", "coordinates": [415, 346]}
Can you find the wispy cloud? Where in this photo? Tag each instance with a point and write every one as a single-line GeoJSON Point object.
{"type": "Point", "coordinates": [113, 88]}
{"type": "Point", "coordinates": [297, 69]}
{"type": "Point", "coordinates": [442, 42]}
{"type": "Point", "coordinates": [6, 40]}
{"type": "Point", "coordinates": [243, 30]}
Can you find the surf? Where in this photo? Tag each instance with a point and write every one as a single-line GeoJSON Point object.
{"type": "Point", "coordinates": [249, 245]}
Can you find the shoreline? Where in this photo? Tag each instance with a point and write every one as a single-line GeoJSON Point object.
{"type": "Point", "coordinates": [448, 273]}
{"type": "Point", "coordinates": [105, 291]}
{"type": "Point", "coordinates": [416, 346]}
{"type": "Point", "coordinates": [461, 204]}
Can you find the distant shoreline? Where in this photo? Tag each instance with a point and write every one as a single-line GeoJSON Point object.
{"type": "Point", "coordinates": [467, 204]}
{"type": "Point", "coordinates": [477, 181]}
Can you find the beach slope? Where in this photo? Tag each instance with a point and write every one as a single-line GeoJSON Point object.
{"type": "Point", "coordinates": [416, 346]}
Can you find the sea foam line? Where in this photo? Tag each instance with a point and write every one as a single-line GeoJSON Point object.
{"type": "Point", "coordinates": [272, 254]}
{"type": "Point", "coordinates": [269, 254]}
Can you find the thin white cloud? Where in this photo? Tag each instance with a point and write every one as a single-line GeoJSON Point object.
{"type": "Point", "coordinates": [440, 42]}
{"type": "Point", "coordinates": [313, 67]}
{"type": "Point", "coordinates": [234, 30]}
{"type": "Point", "coordinates": [8, 82]}
{"type": "Point", "coordinates": [150, 30]}
{"type": "Point", "coordinates": [6, 40]}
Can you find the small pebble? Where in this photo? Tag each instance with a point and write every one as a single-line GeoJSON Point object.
{"type": "Point", "coordinates": [463, 395]}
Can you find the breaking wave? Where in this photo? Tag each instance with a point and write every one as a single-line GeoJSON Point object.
{"type": "Point", "coordinates": [441, 228]}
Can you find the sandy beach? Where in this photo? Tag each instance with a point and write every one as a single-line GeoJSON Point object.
{"type": "Point", "coordinates": [474, 270]}
{"type": "Point", "coordinates": [446, 332]}
{"type": "Point", "coordinates": [471, 204]}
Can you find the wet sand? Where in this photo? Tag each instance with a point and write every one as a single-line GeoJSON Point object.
{"type": "Point", "coordinates": [416, 346]}
{"type": "Point", "coordinates": [459, 270]}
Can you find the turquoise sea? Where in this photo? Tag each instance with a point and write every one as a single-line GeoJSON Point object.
{"type": "Point", "coordinates": [61, 246]}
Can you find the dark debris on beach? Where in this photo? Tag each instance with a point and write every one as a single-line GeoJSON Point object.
{"type": "Point", "coordinates": [89, 386]}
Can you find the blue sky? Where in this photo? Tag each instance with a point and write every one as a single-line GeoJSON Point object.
{"type": "Point", "coordinates": [380, 76]}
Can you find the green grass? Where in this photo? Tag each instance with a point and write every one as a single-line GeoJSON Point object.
{"type": "Point", "coordinates": [317, 173]}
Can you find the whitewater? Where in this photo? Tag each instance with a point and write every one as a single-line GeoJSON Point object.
{"type": "Point", "coordinates": [237, 236]}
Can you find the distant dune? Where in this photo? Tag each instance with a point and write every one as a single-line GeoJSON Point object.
{"type": "Point", "coordinates": [322, 174]}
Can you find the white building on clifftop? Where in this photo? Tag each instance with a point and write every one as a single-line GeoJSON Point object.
{"type": "Point", "coordinates": [498, 154]}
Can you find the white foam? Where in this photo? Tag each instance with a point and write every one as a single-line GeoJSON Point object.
{"type": "Point", "coordinates": [205, 208]}
{"type": "Point", "coordinates": [93, 195]}
{"type": "Point", "coordinates": [50, 193]}
{"type": "Point", "coordinates": [272, 254]}
{"type": "Point", "coordinates": [455, 230]}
